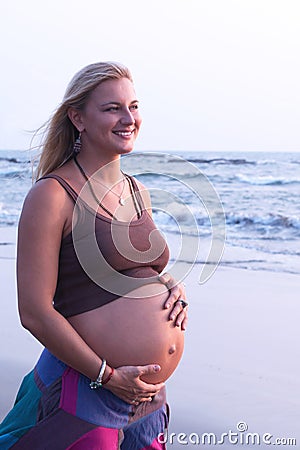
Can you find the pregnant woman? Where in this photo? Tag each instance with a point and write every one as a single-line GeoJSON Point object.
{"type": "Point", "coordinates": [89, 284]}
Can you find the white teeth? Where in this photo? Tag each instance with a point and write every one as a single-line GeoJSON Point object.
{"type": "Point", "coordinates": [124, 133]}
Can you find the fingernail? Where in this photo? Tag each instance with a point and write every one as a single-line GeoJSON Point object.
{"type": "Point", "coordinates": [156, 368]}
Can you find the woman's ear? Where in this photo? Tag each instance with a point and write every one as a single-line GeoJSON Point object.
{"type": "Point", "coordinates": [76, 118]}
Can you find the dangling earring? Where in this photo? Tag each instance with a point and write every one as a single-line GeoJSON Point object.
{"type": "Point", "coordinates": [77, 145]}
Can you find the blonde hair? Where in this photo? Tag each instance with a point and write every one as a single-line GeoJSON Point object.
{"type": "Point", "coordinates": [59, 134]}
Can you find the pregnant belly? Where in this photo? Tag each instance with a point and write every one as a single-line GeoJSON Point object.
{"type": "Point", "coordinates": [134, 331]}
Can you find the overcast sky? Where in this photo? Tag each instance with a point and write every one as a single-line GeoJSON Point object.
{"type": "Point", "coordinates": [210, 74]}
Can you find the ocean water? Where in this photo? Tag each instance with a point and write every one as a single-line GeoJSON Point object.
{"type": "Point", "coordinates": [250, 202]}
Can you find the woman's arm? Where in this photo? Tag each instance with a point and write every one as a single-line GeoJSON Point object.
{"type": "Point", "coordinates": [41, 227]}
{"type": "Point", "coordinates": [43, 221]}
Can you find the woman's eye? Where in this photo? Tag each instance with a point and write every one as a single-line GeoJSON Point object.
{"type": "Point", "coordinates": [117, 108]}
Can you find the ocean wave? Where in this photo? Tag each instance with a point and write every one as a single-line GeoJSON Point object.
{"type": "Point", "coordinates": [169, 158]}
{"type": "Point", "coordinates": [13, 174]}
{"type": "Point", "coordinates": [270, 220]}
{"type": "Point", "coordinates": [255, 264]}
{"type": "Point", "coordinates": [266, 180]}
{"type": "Point", "coordinates": [8, 217]}
{"type": "Point", "coordinates": [171, 174]}
{"type": "Point", "coordinates": [223, 161]}
{"type": "Point", "coordinates": [10, 160]}
{"type": "Point", "coordinates": [263, 162]}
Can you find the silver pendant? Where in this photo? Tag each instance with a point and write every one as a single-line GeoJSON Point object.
{"type": "Point", "coordinates": [121, 201]}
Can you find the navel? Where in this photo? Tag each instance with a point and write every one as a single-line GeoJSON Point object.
{"type": "Point", "coordinates": [172, 349]}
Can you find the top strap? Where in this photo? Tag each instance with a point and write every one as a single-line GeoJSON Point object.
{"type": "Point", "coordinates": [137, 193]}
{"type": "Point", "coordinates": [73, 194]}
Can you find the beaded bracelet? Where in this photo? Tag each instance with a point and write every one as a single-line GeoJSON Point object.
{"type": "Point", "coordinates": [106, 380]}
{"type": "Point", "coordinates": [98, 383]}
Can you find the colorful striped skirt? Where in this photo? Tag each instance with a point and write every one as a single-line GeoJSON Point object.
{"type": "Point", "coordinates": [55, 409]}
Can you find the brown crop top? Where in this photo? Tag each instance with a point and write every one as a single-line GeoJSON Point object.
{"type": "Point", "coordinates": [104, 259]}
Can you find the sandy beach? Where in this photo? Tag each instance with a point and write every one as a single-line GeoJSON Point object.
{"type": "Point", "coordinates": [240, 369]}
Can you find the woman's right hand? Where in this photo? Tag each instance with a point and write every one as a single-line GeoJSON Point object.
{"type": "Point", "coordinates": [126, 383]}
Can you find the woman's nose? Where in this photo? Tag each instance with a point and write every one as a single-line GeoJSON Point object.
{"type": "Point", "coordinates": [127, 117]}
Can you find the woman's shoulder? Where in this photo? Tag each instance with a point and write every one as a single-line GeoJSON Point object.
{"type": "Point", "coordinates": [56, 183]}
{"type": "Point", "coordinates": [47, 194]}
{"type": "Point", "coordinates": [46, 209]}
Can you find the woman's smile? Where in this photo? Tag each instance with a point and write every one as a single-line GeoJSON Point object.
{"type": "Point", "coordinates": [125, 134]}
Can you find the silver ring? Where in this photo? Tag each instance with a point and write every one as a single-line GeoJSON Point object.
{"type": "Point", "coordinates": [184, 304]}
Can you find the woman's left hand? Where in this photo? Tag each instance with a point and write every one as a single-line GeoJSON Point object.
{"type": "Point", "coordinates": [176, 300]}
